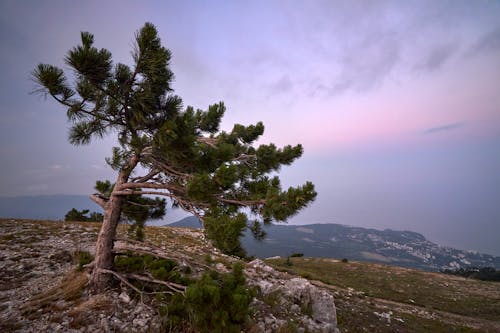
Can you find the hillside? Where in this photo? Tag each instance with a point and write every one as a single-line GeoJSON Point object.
{"type": "Point", "coordinates": [41, 291]}
{"type": "Point", "coordinates": [402, 248]}
{"type": "Point", "coordinates": [158, 285]}
{"type": "Point", "coordinates": [381, 298]}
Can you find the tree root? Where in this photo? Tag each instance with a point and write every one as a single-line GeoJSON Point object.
{"type": "Point", "coordinates": [174, 287]}
{"type": "Point", "coordinates": [177, 288]}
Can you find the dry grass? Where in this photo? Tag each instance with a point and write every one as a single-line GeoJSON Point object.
{"type": "Point", "coordinates": [69, 290]}
{"type": "Point", "coordinates": [423, 301]}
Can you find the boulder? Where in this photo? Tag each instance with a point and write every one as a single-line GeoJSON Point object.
{"type": "Point", "coordinates": [287, 300]}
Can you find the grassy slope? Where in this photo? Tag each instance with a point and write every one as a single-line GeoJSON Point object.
{"type": "Point", "coordinates": [419, 301]}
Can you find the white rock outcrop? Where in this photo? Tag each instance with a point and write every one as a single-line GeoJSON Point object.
{"type": "Point", "coordinates": [293, 301]}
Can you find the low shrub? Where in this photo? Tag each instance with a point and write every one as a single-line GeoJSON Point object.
{"type": "Point", "coordinates": [216, 303]}
{"type": "Point", "coordinates": [159, 268]}
{"type": "Point", "coordinates": [82, 258]}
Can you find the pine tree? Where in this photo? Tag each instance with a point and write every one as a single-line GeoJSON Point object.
{"type": "Point", "coordinates": [218, 176]}
{"type": "Point", "coordinates": [81, 216]}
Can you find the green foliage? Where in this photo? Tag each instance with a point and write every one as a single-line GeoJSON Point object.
{"type": "Point", "coordinates": [83, 258]}
{"type": "Point", "coordinates": [296, 255]}
{"type": "Point", "coordinates": [216, 303]}
{"type": "Point", "coordinates": [159, 268]}
{"type": "Point", "coordinates": [215, 174]}
{"type": "Point", "coordinates": [137, 209]}
{"type": "Point", "coordinates": [208, 259]}
{"type": "Point", "coordinates": [81, 216]}
{"type": "Point", "coordinates": [225, 232]}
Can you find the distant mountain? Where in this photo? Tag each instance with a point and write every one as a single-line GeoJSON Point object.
{"type": "Point", "coordinates": [52, 207]}
{"type": "Point", "coordinates": [401, 248]}
{"type": "Point", "coordinates": [187, 222]}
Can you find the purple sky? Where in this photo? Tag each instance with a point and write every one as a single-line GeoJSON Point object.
{"type": "Point", "coordinates": [397, 103]}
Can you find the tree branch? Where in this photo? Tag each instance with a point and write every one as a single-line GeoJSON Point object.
{"type": "Point", "coordinates": [98, 199]}
{"type": "Point", "coordinates": [131, 186]}
{"type": "Point", "coordinates": [245, 157]}
{"type": "Point", "coordinates": [212, 142]}
{"type": "Point", "coordinates": [190, 208]}
{"type": "Point", "coordinates": [164, 167]}
{"type": "Point", "coordinates": [89, 113]}
{"type": "Point", "coordinates": [165, 194]}
{"type": "Point", "coordinates": [139, 205]}
{"type": "Point", "coordinates": [242, 202]}
{"type": "Point", "coordinates": [146, 177]}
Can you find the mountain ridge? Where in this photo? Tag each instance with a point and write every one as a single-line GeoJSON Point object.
{"type": "Point", "coordinates": [328, 240]}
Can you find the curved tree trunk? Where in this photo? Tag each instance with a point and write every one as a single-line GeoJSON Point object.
{"type": "Point", "coordinates": [103, 251]}
{"type": "Point", "coordinates": [103, 260]}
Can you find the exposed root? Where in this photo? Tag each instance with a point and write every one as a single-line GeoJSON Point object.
{"type": "Point", "coordinates": [122, 279]}
{"type": "Point", "coordinates": [175, 287]}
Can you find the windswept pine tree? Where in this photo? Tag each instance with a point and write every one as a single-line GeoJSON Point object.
{"type": "Point", "coordinates": [166, 149]}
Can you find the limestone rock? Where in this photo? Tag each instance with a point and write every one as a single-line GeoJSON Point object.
{"type": "Point", "coordinates": [291, 299]}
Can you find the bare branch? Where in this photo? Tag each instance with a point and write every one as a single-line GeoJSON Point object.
{"type": "Point", "coordinates": [145, 178]}
{"type": "Point", "coordinates": [242, 202]}
{"type": "Point", "coordinates": [131, 186]}
{"type": "Point", "coordinates": [208, 141]}
{"type": "Point", "coordinates": [190, 208]}
{"type": "Point", "coordinates": [139, 205]}
{"type": "Point", "coordinates": [164, 167]}
{"type": "Point", "coordinates": [178, 288]}
{"type": "Point", "coordinates": [98, 199]}
{"type": "Point", "coordinates": [245, 157]}
{"type": "Point", "coordinates": [165, 194]}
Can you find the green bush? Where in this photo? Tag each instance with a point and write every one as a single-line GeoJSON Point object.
{"type": "Point", "coordinates": [225, 233]}
{"type": "Point", "coordinates": [217, 303]}
{"type": "Point", "coordinates": [161, 269]}
{"type": "Point", "coordinates": [81, 216]}
{"type": "Point", "coordinates": [83, 258]}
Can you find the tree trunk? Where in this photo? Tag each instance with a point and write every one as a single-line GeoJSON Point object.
{"type": "Point", "coordinates": [99, 280]}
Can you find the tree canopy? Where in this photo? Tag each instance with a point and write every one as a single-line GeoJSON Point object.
{"type": "Point", "coordinates": [166, 149]}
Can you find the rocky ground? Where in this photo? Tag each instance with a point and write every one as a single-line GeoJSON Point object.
{"type": "Point", "coordinates": [42, 291]}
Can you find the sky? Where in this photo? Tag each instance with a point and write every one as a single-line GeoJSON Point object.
{"type": "Point", "coordinates": [396, 103]}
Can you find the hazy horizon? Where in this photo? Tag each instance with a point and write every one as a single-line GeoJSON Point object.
{"type": "Point", "coordinates": [39, 209]}
{"type": "Point", "coordinates": [396, 103]}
